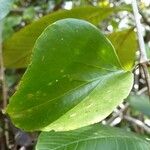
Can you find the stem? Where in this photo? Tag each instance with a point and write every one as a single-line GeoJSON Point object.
{"type": "Point", "coordinates": [1, 76]}
{"type": "Point", "coordinates": [117, 114]}
{"type": "Point", "coordinates": [4, 88]}
{"type": "Point", "coordinates": [147, 76]}
{"type": "Point", "coordinates": [143, 55]}
{"type": "Point", "coordinates": [139, 123]}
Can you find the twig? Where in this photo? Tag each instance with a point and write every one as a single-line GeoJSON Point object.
{"type": "Point", "coordinates": [2, 71]}
{"type": "Point", "coordinates": [136, 78]}
{"type": "Point", "coordinates": [147, 76]}
{"type": "Point", "coordinates": [1, 75]}
{"type": "Point", "coordinates": [117, 114]}
{"type": "Point", "coordinates": [141, 91]}
{"type": "Point", "coordinates": [137, 122]}
{"type": "Point", "coordinates": [4, 88]}
{"type": "Point", "coordinates": [143, 56]}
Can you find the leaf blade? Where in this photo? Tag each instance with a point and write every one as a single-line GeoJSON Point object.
{"type": "Point", "coordinates": [92, 137]}
{"type": "Point", "coordinates": [20, 45]}
{"type": "Point", "coordinates": [125, 44]}
{"type": "Point", "coordinates": [78, 61]}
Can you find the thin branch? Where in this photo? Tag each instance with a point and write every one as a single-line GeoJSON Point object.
{"type": "Point", "coordinates": [4, 88]}
{"type": "Point", "coordinates": [117, 114]}
{"type": "Point", "coordinates": [139, 123]}
{"type": "Point", "coordinates": [147, 76]}
{"type": "Point", "coordinates": [2, 71]}
{"type": "Point", "coordinates": [143, 55]}
{"type": "Point", "coordinates": [2, 77]}
{"type": "Point", "coordinates": [141, 91]}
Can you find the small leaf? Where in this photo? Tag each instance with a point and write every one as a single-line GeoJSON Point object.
{"type": "Point", "coordinates": [8, 24]}
{"type": "Point", "coordinates": [73, 79]}
{"type": "Point", "coordinates": [95, 137]}
{"type": "Point", "coordinates": [5, 6]}
{"type": "Point", "coordinates": [126, 45]}
{"type": "Point", "coordinates": [29, 13]}
{"type": "Point", "coordinates": [140, 103]}
{"type": "Point", "coordinates": [17, 49]}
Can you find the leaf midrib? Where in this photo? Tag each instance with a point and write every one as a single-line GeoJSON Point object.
{"type": "Point", "coordinates": [46, 102]}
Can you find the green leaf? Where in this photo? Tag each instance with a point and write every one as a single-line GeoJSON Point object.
{"type": "Point", "coordinates": [17, 50]}
{"type": "Point", "coordinates": [126, 45]}
{"type": "Point", "coordinates": [29, 13]}
{"type": "Point", "coordinates": [73, 79]}
{"type": "Point", "coordinates": [5, 6]}
{"type": "Point", "coordinates": [95, 137]}
{"type": "Point", "coordinates": [8, 24]}
{"type": "Point", "coordinates": [140, 103]}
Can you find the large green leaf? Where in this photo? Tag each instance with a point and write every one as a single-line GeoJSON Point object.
{"type": "Point", "coordinates": [95, 137]}
{"type": "Point", "coordinates": [125, 44]}
{"type": "Point", "coordinates": [73, 79]}
{"type": "Point", "coordinates": [17, 50]}
{"type": "Point", "coordinates": [5, 6]}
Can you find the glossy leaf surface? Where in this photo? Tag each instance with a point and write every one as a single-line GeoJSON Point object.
{"type": "Point", "coordinates": [95, 137]}
{"type": "Point", "coordinates": [73, 79]}
{"type": "Point", "coordinates": [17, 49]}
